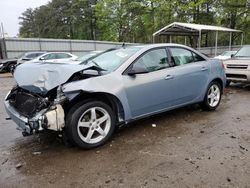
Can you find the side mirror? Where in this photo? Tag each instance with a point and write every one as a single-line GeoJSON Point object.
{"type": "Point", "coordinates": [42, 58]}
{"type": "Point", "coordinates": [137, 70]}
{"type": "Point", "coordinates": [232, 55]}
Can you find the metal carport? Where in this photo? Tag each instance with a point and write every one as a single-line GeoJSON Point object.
{"type": "Point", "coordinates": [189, 29]}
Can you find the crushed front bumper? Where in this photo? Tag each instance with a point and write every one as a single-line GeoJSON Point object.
{"type": "Point", "coordinates": [52, 119]}
{"type": "Point", "coordinates": [21, 121]}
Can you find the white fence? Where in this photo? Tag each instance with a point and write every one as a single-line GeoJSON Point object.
{"type": "Point", "coordinates": [13, 47]}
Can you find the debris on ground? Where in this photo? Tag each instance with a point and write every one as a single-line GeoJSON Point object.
{"type": "Point", "coordinates": [37, 153]}
{"type": "Point", "coordinates": [232, 137]}
{"type": "Point", "coordinates": [5, 161]}
{"type": "Point", "coordinates": [18, 166]}
{"type": "Point", "coordinates": [107, 181]}
{"type": "Point", "coordinates": [202, 131]}
{"type": "Point", "coordinates": [228, 179]}
{"type": "Point", "coordinates": [241, 147]}
{"type": "Point", "coordinates": [154, 125]}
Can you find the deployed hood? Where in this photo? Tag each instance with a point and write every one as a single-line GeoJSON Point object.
{"type": "Point", "coordinates": [42, 77]}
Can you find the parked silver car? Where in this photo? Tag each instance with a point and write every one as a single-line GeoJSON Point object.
{"type": "Point", "coordinates": [238, 68]}
{"type": "Point", "coordinates": [87, 101]}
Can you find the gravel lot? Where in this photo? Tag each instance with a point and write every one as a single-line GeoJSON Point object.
{"type": "Point", "coordinates": [187, 148]}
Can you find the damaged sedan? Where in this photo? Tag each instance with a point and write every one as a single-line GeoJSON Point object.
{"type": "Point", "coordinates": [86, 102]}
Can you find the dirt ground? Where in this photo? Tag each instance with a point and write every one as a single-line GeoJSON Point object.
{"type": "Point", "coordinates": [187, 148]}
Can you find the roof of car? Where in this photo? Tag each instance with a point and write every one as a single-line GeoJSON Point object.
{"type": "Point", "coordinates": [161, 44]}
{"type": "Point", "coordinates": [35, 52]}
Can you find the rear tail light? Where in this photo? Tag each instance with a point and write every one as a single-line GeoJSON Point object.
{"type": "Point", "coordinates": [222, 65]}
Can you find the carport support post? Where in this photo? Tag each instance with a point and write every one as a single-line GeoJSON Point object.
{"type": "Point", "coordinates": [216, 43]}
{"type": "Point", "coordinates": [230, 42]}
{"type": "Point", "coordinates": [242, 38]}
{"type": "Point", "coordinates": [199, 40]}
{"type": "Point", "coordinates": [185, 40]}
{"type": "Point", "coordinates": [170, 39]}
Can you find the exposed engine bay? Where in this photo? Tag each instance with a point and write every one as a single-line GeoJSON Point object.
{"type": "Point", "coordinates": [42, 110]}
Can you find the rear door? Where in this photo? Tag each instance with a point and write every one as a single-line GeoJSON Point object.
{"type": "Point", "coordinates": [190, 74]}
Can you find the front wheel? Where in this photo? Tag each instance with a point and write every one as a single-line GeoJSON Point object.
{"type": "Point", "coordinates": [90, 124]}
{"type": "Point", "coordinates": [213, 96]}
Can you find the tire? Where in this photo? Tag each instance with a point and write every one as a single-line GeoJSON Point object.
{"type": "Point", "coordinates": [90, 124]}
{"type": "Point", "coordinates": [212, 100]}
{"type": "Point", "coordinates": [228, 83]}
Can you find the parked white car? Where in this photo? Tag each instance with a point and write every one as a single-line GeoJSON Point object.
{"type": "Point", "coordinates": [225, 55]}
{"type": "Point", "coordinates": [55, 57]}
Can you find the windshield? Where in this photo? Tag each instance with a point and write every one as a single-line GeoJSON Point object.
{"type": "Point", "coordinates": [243, 52]}
{"type": "Point", "coordinates": [111, 60]}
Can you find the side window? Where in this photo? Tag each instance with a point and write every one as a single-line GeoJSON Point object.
{"type": "Point", "coordinates": [50, 56]}
{"type": "Point", "coordinates": [62, 56]}
{"type": "Point", "coordinates": [181, 56]}
{"type": "Point", "coordinates": [153, 60]}
{"type": "Point", "coordinates": [197, 57]}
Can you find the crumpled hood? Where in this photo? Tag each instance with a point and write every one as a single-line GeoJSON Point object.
{"type": "Point", "coordinates": [42, 77]}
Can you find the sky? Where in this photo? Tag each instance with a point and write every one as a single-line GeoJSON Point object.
{"type": "Point", "coordinates": [10, 10]}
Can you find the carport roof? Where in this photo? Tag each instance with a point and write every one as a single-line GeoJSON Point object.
{"type": "Point", "coordinates": [178, 28]}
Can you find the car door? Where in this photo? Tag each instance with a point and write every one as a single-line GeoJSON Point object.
{"type": "Point", "coordinates": [149, 92]}
{"type": "Point", "coordinates": [190, 74]}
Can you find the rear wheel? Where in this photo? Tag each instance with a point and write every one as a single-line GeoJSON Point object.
{"type": "Point", "coordinates": [90, 124]}
{"type": "Point", "coordinates": [213, 96]}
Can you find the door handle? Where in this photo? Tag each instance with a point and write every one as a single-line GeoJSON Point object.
{"type": "Point", "coordinates": [168, 77]}
{"type": "Point", "coordinates": [204, 68]}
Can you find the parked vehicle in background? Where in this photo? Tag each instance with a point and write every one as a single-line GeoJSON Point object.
{"type": "Point", "coordinates": [55, 57]}
{"type": "Point", "coordinates": [87, 102]}
{"type": "Point", "coordinates": [225, 55]}
{"type": "Point", "coordinates": [8, 65]}
{"type": "Point", "coordinates": [238, 68]}
{"type": "Point", "coordinates": [29, 56]}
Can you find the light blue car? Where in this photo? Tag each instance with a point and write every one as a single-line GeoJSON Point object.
{"type": "Point", "coordinates": [88, 101]}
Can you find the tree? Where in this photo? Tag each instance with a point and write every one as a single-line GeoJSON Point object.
{"type": "Point", "coordinates": [131, 21]}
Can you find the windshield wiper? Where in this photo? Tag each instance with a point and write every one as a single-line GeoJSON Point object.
{"type": "Point", "coordinates": [241, 56]}
{"type": "Point", "coordinates": [92, 61]}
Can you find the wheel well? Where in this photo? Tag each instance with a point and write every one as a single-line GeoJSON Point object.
{"type": "Point", "coordinates": [107, 98]}
{"type": "Point", "coordinates": [219, 81]}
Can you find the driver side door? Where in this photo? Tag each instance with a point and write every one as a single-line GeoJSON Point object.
{"type": "Point", "coordinates": [149, 91]}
